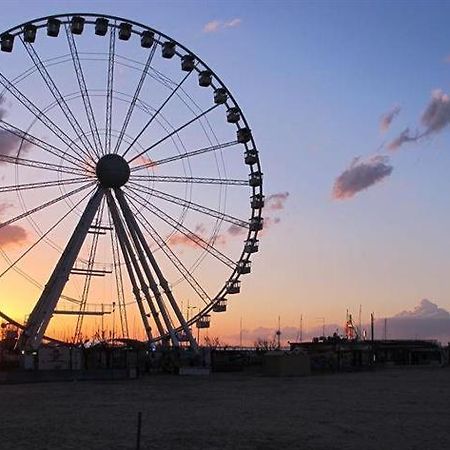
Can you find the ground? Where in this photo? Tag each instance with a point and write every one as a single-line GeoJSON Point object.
{"type": "Point", "coordinates": [386, 409]}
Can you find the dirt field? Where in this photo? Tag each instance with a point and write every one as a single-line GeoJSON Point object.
{"type": "Point", "coordinates": [390, 409]}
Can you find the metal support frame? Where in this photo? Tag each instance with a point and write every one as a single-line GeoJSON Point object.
{"type": "Point", "coordinates": [130, 262]}
{"type": "Point", "coordinates": [136, 236]}
{"type": "Point", "coordinates": [129, 217]}
{"type": "Point", "coordinates": [40, 317]}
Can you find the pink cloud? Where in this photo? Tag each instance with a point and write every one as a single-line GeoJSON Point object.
{"type": "Point", "coordinates": [275, 202]}
{"type": "Point", "coordinates": [214, 26]}
{"type": "Point", "coordinates": [11, 234]}
{"type": "Point", "coordinates": [360, 176]}
{"type": "Point", "coordinates": [388, 117]}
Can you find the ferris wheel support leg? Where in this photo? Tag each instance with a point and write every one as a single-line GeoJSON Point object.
{"type": "Point", "coordinates": [128, 254]}
{"type": "Point", "coordinates": [132, 225]}
{"type": "Point", "coordinates": [134, 285]}
{"type": "Point", "coordinates": [40, 317]}
{"type": "Point", "coordinates": [163, 282]}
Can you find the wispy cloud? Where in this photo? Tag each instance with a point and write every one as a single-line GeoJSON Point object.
{"type": "Point", "coordinates": [360, 176]}
{"type": "Point", "coordinates": [437, 113]}
{"type": "Point", "coordinates": [434, 119]}
{"type": "Point", "coordinates": [233, 23]}
{"type": "Point", "coordinates": [387, 118]}
{"type": "Point", "coordinates": [404, 137]}
{"type": "Point", "coordinates": [275, 202]}
{"type": "Point", "coordinates": [214, 26]}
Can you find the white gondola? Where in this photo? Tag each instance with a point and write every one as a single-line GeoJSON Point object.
{"type": "Point", "coordinates": [220, 306]}
{"type": "Point", "coordinates": [187, 63]}
{"type": "Point", "coordinates": [251, 245]}
{"type": "Point", "coordinates": [255, 179]}
{"type": "Point", "coordinates": [220, 96]}
{"type": "Point", "coordinates": [53, 26]}
{"type": "Point", "coordinates": [101, 26]}
{"type": "Point", "coordinates": [77, 25]}
{"type": "Point", "coordinates": [244, 267]}
{"type": "Point", "coordinates": [29, 33]}
{"type": "Point", "coordinates": [233, 115]}
{"type": "Point", "coordinates": [6, 43]}
{"type": "Point", "coordinates": [203, 322]}
{"type": "Point", "coordinates": [147, 39]}
{"type": "Point", "coordinates": [168, 49]}
{"type": "Point", "coordinates": [233, 287]}
{"type": "Point", "coordinates": [244, 135]}
{"type": "Point", "coordinates": [125, 31]}
{"type": "Point", "coordinates": [251, 157]}
{"type": "Point", "coordinates": [205, 78]}
{"type": "Point", "coordinates": [257, 201]}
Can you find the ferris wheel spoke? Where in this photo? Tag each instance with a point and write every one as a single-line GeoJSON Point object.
{"type": "Point", "coordinates": [44, 236]}
{"type": "Point", "coordinates": [43, 184]}
{"type": "Point", "coordinates": [167, 136]}
{"type": "Point", "coordinates": [191, 205]}
{"type": "Point", "coordinates": [144, 251]}
{"type": "Point", "coordinates": [135, 97]}
{"type": "Point", "coordinates": [49, 148]}
{"type": "Point", "coordinates": [170, 159]}
{"type": "Point", "coordinates": [190, 180]}
{"type": "Point", "coordinates": [179, 227]}
{"type": "Point", "coordinates": [109, 88]}
{"type": "Point", "coordinates": [133, 268]}
{"type": "Point", "coordinates": [40, 165]}
{"type": "Point", "coordinates": [174, 91]}
{"type": "Point", "coordinates": [83, 90]}
{"type": "Point", "coordinates": [41, 116]}
{"type": "Point", "coordinates": [45, 205]}
{"type": "Point", "coordinates": [56, 93]}
{"type": "Point", "coordinates": [170, 254]}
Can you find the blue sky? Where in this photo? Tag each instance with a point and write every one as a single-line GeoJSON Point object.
{"type": "Point", "coordinates": [313, 79]}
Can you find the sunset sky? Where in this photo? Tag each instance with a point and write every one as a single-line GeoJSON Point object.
{"type": "Point", "coordinates": [322, 84]}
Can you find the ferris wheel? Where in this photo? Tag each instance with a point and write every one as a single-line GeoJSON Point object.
{"type": "Point", "coordinates": [130, 180]}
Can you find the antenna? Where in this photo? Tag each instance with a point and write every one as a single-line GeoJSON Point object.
{"type": "Point", "coordinates": [278, 333]}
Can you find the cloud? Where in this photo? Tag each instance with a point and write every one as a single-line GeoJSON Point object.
{"type": "Point", "coordinates": [236, 230]}
{"type": "Point", "coordinates": [360, 176]}
{"type": "Point", "coordinates": [9, 142]}
{"type": "Point", "coordinates": [388, 117]}
{"type": "Point", "coordinates": [437, 113]}
{"type": "Point", "coordinates": [425, 309]}
{"type": "Point", "coordinates": [275, 202]}
{"type": "Point", "coordinates": [214, 26]}
{"type": "Point", "coordinates": [402, 138]}
{"type": "Point", "coordinates": [434, 119]}
{"type": "Point", "coordinates": [11, 234]}
{"type": "Point", "coordinates": [233, 23]}
{"type": "Point", "coordinates": [426, 321]}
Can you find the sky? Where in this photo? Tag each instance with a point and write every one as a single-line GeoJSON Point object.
{"type": "Point", "coordinates": [349, 109]}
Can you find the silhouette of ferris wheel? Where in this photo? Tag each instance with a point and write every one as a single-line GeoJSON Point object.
{"type": "Point", "coordinates": [131, 181]}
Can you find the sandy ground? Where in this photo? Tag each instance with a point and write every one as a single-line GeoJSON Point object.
{"type": "Point", "coordinates": [389, 409]}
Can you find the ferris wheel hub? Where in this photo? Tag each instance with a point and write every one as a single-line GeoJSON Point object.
{"type": "Point", "coordinates": [112, 171]}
